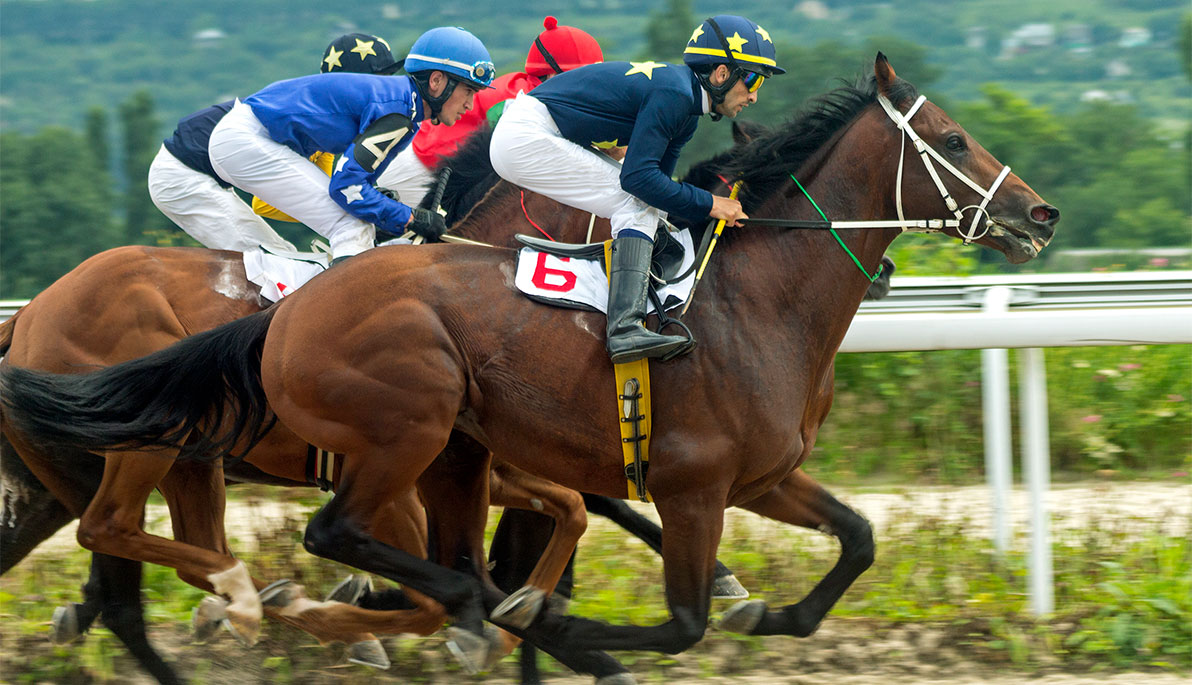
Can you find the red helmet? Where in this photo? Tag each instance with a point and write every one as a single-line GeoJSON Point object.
{"type": "Point", "coordinates": [561, 48]}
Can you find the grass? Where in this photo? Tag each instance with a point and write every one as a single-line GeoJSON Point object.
{"type": "Point", "coordinates": [1123, 597]}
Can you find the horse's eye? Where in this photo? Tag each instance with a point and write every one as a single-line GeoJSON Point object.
{"type": "Point", "coordinates": [955, 143]}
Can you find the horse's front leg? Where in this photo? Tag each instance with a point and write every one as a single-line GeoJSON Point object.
{"type": "Point", "coordinates": [688, 559]}
{"type": "Point", "coordinates": [801, 501]}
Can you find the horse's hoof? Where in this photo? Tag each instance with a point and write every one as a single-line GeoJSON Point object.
{"type": "Point", "coordinates": [246, 629]}
{"type": "Point", "coordinates": [207, 616]}
{"type": "Point", "coordinates": [728, 587]}
{"type": "Point", "coordinates": [625, 678]}
{"type": "Point", "coordinates": [279, 593]}
{"type": "Point", "coordinates": [368, 653]}
{"type": "Point", "coordinates": [469, 649]}
{"type": "Point", "coordinates": [519, 609]}
{"type": "Point", "coordinates": [64, 626]}
{"type": "Point", "coordinates": [497, 647]}
{"type": "Point", "coordinates": [558, 604]}
{"type": "Point", "coordinates": [743, 617]}
{"type": "Point", "coordinates": [350, 589]}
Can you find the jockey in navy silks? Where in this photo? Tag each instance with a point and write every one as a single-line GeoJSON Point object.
{"type": "Point", "coordinates": [544, 142]}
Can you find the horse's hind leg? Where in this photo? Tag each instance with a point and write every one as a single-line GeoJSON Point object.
{"type": "Point", "coordinates": [112, 525]}
{"type": "Point", "coordinates": [195, 494]}
{"type": "Point", "coordinates": [801, 501]}
{"type": "Point", "coordinates": [120, 599]}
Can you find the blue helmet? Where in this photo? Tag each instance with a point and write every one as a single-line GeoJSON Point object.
{"type": "Point", "coordinates": [735, 41]}
{"type": "Point", "coordinates": [454, 52]}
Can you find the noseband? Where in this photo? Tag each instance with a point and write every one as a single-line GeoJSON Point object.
{"type": "Point", "coordinates": [926, 152]}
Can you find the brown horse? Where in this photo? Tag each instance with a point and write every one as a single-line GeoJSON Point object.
{"type": "Point", "coordinates": [174, 292]}
{"type": "Point", "coordinates": [434, 340]}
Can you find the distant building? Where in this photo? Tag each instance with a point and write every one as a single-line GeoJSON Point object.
{"type": "Point", "coordinates": [208, 38]}
{"type": "Point", "coordinates": [1026, 38]}
{"type": "Point", "coordinates": [976, 37]}
{"type": "Point", "coordinates": [1135, 36]}
{"type": "Point", "coordinates": [1078, 37]}
{"type": "Point", "coordinates": [813, 9]}
{"type": "Point", "coordinates": [390, 11]}
{"type": "Point", "coordinates": [1117, 69]}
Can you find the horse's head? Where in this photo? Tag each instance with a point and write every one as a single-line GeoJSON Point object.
{"type": "Point", "coordinates": [948, 171]}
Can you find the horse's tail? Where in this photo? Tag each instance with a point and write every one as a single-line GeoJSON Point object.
{"type": "Point", "coordinates": [202, 395]}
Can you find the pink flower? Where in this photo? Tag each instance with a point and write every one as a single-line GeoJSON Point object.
{"type": "Point", "coordinates": [1158, 261]}
{"type": "Point", "coordinates": [1130, 367]}
{"type": "Point", "coordinates": [1091, 418]}
{"type": "Point", "coordinates": [1175, 398]}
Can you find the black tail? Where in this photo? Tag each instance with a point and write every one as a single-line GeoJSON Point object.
{"type": "Point", "coordinates": [206, 387]}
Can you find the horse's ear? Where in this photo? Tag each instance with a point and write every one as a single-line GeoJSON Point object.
{"type": "Point", "coordinates": [884, 73]}
{"type": "Point", "coordinates": [746, 131]}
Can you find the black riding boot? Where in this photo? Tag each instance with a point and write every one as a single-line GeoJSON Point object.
{"type": "Point", "coordinates": [628, 339]}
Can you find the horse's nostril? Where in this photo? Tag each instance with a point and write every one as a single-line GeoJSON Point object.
{"type": "Point", "coordinates": [1045, 214]}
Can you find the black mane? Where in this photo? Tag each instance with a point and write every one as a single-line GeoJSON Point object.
{"type": "Point", "coordinates": [472, 176]}
{"type": "Point", "coordinates": [766, 162]}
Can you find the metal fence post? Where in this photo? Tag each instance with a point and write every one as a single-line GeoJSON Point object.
{"type": "Point", "coordinates": [1032, 382]}
{"type": "Point", "coordinates": [995, 401]}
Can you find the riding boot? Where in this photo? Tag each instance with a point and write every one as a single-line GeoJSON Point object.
{"type": "Point", "coordinates": [627, 337]}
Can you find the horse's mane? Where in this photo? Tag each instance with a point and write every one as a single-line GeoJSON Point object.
{"type": "Point", "coordinates": [766, 162]}
{"type": "Point", "coordinates": [472, 176]}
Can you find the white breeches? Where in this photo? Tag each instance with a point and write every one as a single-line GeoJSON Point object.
{"type": "Point", "coordinates": [244, 155]}
{"type": "Point", "coordinates": [209, 213]}
{"type": "Point", "coordinates": [407, 176]}
{"type": "Point", "coordinates": [528, 150]}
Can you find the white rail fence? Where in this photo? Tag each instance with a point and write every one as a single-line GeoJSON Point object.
{"type": "Point", "coordinates": [1029, 312]}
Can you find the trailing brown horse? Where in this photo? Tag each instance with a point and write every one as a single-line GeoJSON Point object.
{"type": "Point", "coordinates": [129, 301]}
{"type": "Point", "coordinates": [436, 340]}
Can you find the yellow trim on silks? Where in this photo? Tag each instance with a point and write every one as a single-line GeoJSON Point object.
{"type": "Point", "coordinates": [719, 52]}
{"type": "Point", "coordinates": [640, 370]}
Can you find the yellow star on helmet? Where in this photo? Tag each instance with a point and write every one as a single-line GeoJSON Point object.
{"type": "Point", "coordinates": [765, 35]}
{"type": "Point", "coordinates": [605, 144]}
{"type": "Point", "coordinates": [736, 42]}
{"type": "Point", "coordinates": [332, 59]}
{"type": "Point", "coordinates": [699, 31]}
{"type": "Point", "coordinates": [646, 68]}
{"type": "Point", "coordinates": [364, 48]}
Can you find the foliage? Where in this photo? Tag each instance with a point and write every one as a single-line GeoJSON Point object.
{"type": "Point", "coordinates": [919, 414]}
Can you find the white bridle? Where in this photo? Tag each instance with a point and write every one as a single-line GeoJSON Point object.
{"type": "Point", "coordinates": [926, 152]}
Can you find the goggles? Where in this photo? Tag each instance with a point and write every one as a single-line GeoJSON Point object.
{"type": "Point", "coordinates": [752, 80]}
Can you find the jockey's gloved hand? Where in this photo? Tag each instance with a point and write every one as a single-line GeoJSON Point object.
{"type": "Point", "coordinates": [428, 224]}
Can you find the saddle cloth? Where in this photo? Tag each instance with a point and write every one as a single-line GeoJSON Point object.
{"type": "Point", "coordinates": [582, 284]}
{"type": "Point", "coordinates": [281, 273]}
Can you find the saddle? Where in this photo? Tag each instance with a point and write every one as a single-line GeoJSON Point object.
{"type": "Point", "coordinates": [664, 264]}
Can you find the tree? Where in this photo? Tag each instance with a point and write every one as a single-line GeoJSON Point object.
{"type": "Point", "coordinates": [56, 210]}
{"type": "Point", "coordinates": [139, 128]}
{"type": "Point", "coordinates": [669, 30]}
{"type": "Point", "coordinates": [1185, 44]}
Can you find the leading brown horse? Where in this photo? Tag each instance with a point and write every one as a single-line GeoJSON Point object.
{"type": "Point", "coordinates": [434, 340]}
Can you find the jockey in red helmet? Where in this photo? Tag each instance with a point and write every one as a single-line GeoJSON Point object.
{"type": "Point", "coordinates": [556, 50]}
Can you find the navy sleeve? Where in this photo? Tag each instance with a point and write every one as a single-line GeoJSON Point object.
{"type": "Point", "coordinates": [384, 134]}
{"type": "Point", "coordinates": [659, 133]}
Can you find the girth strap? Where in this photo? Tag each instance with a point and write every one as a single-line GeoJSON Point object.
{"type": "Point", "coordinates": [320, 467]}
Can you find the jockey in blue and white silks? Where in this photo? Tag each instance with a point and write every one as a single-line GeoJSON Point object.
{"type": "Point", "coordinates": [262, 145]}
{"type": "Point", "coordinates": [186, 188]}
{"type": "Point", "coordinates": [544, 142]}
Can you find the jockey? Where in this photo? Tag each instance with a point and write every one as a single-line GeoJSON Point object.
{"type": "Point", "coordinates": [555, 50]}
{"type": "Point", "coordinates": [262, 145]}
{"type": "Point", "coordinates": [187, 190]}
{"type": "Point", "coordinates": [544, 143]}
